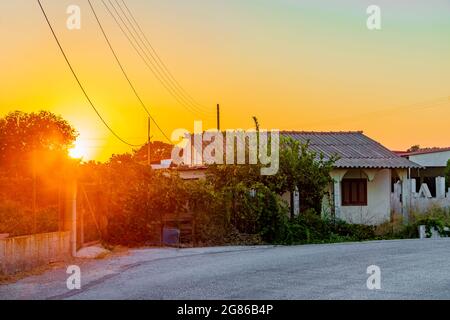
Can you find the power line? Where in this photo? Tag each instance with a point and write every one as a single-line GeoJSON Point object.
{"type": "Point", "coordinates": [154, 69]}
{"type": "Point", "coordinates": [79, 83]}
{"type": "Point", "coordinates": [125, 73]}
{"type": "Point", "coordinates": [165, 76]}
{"type": "Point", "coordinates": [164, 67]}
{"type": "Point", "coordinates": [434, 103]}
{"type": "Point", "coordinates": [134, 46]}
{"type": "Point", "coordinates": [158, 61]}
{"type": "Point", "coordinates": [146, 59]}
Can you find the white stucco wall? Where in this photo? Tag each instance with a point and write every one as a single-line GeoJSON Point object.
{"type": "Point", "coordinates": [378, 209]}
{"type": "Point", "coordinates": [435, 159]}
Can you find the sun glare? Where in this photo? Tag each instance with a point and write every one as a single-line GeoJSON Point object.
{"type": "Point", "coordinates": [77, 152]}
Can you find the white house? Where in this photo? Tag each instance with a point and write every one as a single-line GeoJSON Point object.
{"type": "Point", "coordinates": [433, 162]}
{"type": "Point", "coordinates": [361, 189]}
{"type": "Point", "coordinates": [428, 157]}
{"type": "Point", "coordinates": [362, 177]}
{"type": "Point", "coordinates": [428, 187]}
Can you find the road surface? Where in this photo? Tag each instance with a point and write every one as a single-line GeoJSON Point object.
{"type": "Point", "coordinates": [410, 269]}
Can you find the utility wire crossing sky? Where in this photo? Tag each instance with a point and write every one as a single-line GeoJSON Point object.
{"type": "Point", "coordinates": [302, 65]}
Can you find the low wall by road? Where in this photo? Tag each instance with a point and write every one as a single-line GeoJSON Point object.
{"type": "Point", "coordinates": [26, 252]}
{"type": "Point", "coordinates": [422, 201]}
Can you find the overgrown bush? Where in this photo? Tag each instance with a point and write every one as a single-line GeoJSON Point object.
{"type": "Point", "coordinates": [437, 218]}
{"type": "Point", "coordinates": [309, 227]}
{"type": "Point", "coordinates": [18, 220]}
{"type": "Point", "coordinates": [211, 218]}
{"type": "Point", "coordinates": [235, 204]}
{"type": "Point", "coordinates": [395, 229]}
{"type": "Point", "coordinates": [272, 214]}
{"type": "Point", "coordinates": [138, 199]}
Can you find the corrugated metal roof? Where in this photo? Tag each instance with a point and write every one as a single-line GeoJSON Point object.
{"type": "Point", "coordinates": [422, 151]}
{"type": "Point", "coordinates": [354, 149]}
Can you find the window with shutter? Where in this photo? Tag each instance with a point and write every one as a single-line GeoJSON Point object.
{"type": "Point", "coordinates": [354, 192]}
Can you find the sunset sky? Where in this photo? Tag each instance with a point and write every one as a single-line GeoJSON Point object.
{"type": "Point", "coordinates": [300, 65]}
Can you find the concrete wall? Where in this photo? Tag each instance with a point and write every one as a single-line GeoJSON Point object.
{"type": "Point", "coordinates": [24, 253]}
{"type": "Point", "coordinates": [422, 201]}
{"type": "Point", "coordinates": [422, 205]}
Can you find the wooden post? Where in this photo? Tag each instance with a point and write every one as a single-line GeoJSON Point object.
{"type": "Point", "coordinates": [148, 143]}
{"type": "Point", "coordinates": [34, 209]}
{"type": "Point", "coordinates": [61, 207]}
{"type": "Point", "coordinates": [69, 222]}
{"type": "Point", "coordinates": [73, 215]}
{"type": "Point", "coordinates": [218, 117]}
{"type": "Point", "coordinates": [82, 212]}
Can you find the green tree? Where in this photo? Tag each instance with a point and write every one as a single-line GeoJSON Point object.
{"type": "Point", "coordinates": [27, 136]}
{"type": "Point", "coordinates": [138, 197]}
{"type": "Point", "coordinates": [158, 151]}
{"type": "Point", "coordinates": [414, 148]}
{"type": "Point", "coordinates": [304, 170]}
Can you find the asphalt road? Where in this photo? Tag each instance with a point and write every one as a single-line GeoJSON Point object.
{"type": "Point", "coordinates": [410, 269]}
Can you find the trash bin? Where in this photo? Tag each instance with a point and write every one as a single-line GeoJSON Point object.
{"type": "Point", "coordinates": [171, 236]}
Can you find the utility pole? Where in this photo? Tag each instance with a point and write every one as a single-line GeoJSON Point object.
{"type": "Point", "coordinates": [148, 143]}
{"type": "Point", "coordinates": [34, 191]}
{"type": "Point", "coordinates": [69, 222]}
{"type": "Point", "coordinates": [218, 117]}
{"type": "Point", "coordinates": [73, 214]}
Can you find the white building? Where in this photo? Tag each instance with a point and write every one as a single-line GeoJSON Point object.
{"type": "Point", "coordinates": [361, 192]}
{"type": "Point", "coordinates": [433, 162]}
{"type": "Point", "coordinates": [428, 186]}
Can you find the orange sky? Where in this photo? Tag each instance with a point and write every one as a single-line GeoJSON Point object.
{"type": "Point", "coordinates": [303, 65]}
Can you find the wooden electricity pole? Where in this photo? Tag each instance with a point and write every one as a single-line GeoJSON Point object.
{"type": "Point", "coordinates": [34, 209]}
{"type": "Point", "coordinates": [218, 117]}
{"type": "Point", "coordinates": [73, 214]}
{"type": "Point", "coordinates": [69, 222]}
{"type": "Point", "coordinates": [148, 143]}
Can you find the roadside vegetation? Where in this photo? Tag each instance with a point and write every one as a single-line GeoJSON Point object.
{"type": "Point", "coordinates": [233, 205]}
{"type": "Point", "coordinates": [435, 218]}
{"type": "Point", "coordinates": [33, 158]}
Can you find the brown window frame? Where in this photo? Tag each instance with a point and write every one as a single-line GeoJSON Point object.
{"type": "Point", "coordinates": [354, 192]}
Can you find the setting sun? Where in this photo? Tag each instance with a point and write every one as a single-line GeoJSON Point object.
{"type": "Point", "coordinates": [78, 151]}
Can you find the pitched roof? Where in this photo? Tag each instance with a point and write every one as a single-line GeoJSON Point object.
{"type": "Point", "coordinates": [354, 149]}
{"type": "Point", "coordinates": [422, 151]}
